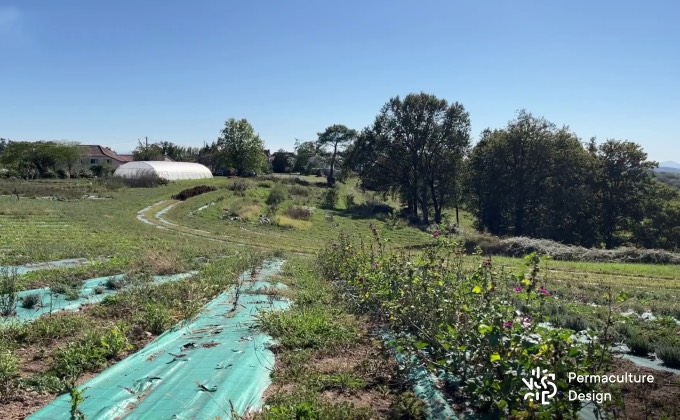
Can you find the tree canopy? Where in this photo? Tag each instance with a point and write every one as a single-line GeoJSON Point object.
{"type": "Point", "coordinates": [335, 137]}
{"type": "Point", "coordinates": [240, 149]}
{"type": "Point", "coordinates": [416, 147]}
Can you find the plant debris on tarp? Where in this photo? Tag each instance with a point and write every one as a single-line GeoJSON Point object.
{"type": "Point", "coordinates": [213, 364]}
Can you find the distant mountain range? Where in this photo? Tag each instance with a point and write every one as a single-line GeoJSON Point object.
{"type": "Point", "coordinates": [669, 166]}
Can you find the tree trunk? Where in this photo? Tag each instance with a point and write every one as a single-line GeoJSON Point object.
{"type": "Point", "coordinates": [330, 179]}
{"type": "Point", "coordinates": [457, 217]}
{"type": "Point", "coordinates": [424, 207]}
{"type": "Point", "coordinates": [436, 204]}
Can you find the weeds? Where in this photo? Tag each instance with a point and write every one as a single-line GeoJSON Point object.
{"type": "Point", "coordinates": [156, 318]}
{"type": "Point", "coordinates": [669, 353]}
{"type": "Point", "coordinates": [302, 328]}
{"type": "Point", "coordinates": [9, 374]}
{"type": "Point", "coordinates": [8, 291]}
{"type": "Point", "coordinates": [299, 213]}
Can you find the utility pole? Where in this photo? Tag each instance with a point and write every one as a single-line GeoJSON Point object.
{"type": "Point", "coordinates": [146, 141]}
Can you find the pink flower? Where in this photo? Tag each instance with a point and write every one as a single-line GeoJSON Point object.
{"type": "Point", "coordinates": [543, 291]}
{"type": "Point", "coordinates": [517, 289]}
{"type": "Point", "coordinates": [436, 234]}
{"type": "Point", "coordinates": [507, 324]}
{"type": "Point", "coordinates": [526, 321]}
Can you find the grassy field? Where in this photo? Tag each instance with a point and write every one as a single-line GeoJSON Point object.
{"type": "Point", "coordinates": [144, 231]}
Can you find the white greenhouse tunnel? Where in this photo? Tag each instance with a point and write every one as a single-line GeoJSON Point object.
{"type": "Point", "coordinates": [172, 171]}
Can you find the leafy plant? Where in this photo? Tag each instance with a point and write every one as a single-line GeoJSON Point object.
{"type": "Point", "coordinates": [156, 318]}
{"type": "Point", "coordinates": [408, 406]}
{"type": "Point", "coordinates": [114, 342]}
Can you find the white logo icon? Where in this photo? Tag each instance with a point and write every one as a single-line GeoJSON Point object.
{"type": "Point", "coordinates": [540, 391]}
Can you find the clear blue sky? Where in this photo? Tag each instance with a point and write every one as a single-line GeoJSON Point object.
{"type": "Point", "coordinates": [112, 72]}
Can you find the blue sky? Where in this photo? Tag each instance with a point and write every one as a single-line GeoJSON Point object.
{"type": "Point", "coordinates": [112, 72]}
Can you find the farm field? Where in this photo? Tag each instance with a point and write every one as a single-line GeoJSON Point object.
{"type": "Point", "coordinates": [144, 232]}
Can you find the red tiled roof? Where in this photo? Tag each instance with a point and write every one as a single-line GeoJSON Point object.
{"type": "Point", "coordinates": [96, 150]}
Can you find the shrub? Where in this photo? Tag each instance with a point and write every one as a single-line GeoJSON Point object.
{"type": "Point", "coordinates": [239, 187]}
{"type": "Point", "coordinates": [299, 190]}
{"type": "Point", "coordinates": [669, 353]}
{"type": "Point", "coordinates": [330, 198]}
{"type": "Point", "coordinates": [9, 374]}
{"type": "Point", "coordinates": [193, 192]}
{"type": "Point", "coordinates": [114, 283]}
{"type": "Point", "coordinates": [264, 184]}
{"type": "Point", "coordinates": [518, 246]}
{"type": "Point", "coordinates": [277, 195]}
{"type": "Point", "coordinates": [30, 301]}
{"type": "Point", "coordinates": [8, 291]}
{"type": "Point", "coordinates": [299, 213]}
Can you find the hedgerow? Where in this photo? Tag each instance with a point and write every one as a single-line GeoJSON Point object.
{"type": "Point", "coordinates": [481, 331]}
{"type": "Point", "coordinates": [193, 192]}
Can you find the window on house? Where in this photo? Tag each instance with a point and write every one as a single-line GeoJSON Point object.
{"type": "Point", "coordinates": [108, 160]}
{"type": "Point", "coordinates": [93, 161]}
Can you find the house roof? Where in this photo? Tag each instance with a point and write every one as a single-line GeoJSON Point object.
{"type": "Point", "coordinates": [101, 151]}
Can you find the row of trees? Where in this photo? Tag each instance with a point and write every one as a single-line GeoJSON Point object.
{"type": "Point", "coordinates": [530, 178]}
{"type": "Point", "coordinates": [42, 159]}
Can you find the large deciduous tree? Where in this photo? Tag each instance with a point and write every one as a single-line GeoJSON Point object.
{"type": "Point", "coordinates": [532, 178]}
{"type": "Point", "coordinates": [239, 148]}
{"type": "Point", "coordinates": [304, 152]}
{"type": "Point", "coordinates": [335, 137]}
{"type": "Point", "coordinates": [282, 161]}
{"type": "Point", "coordinates": [624, 179]}
{"type": "Point", "coordinates": [415, 147]}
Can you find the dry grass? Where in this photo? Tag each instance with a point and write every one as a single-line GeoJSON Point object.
{"type": "Point", "coordinates": [287, 222]}
{"type": "Point", "coordinates": [159, 262]}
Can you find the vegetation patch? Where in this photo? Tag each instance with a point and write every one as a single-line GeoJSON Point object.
{"type": "Point", "coordinates": [193, 192]}
{"type": "Point", "coordinates": [287, 222]}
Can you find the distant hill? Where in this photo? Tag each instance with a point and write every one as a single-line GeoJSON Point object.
{"type": "Point", "coordinates": [669, 164]}
{"type": "Point", "coordinates": [668, 169]}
